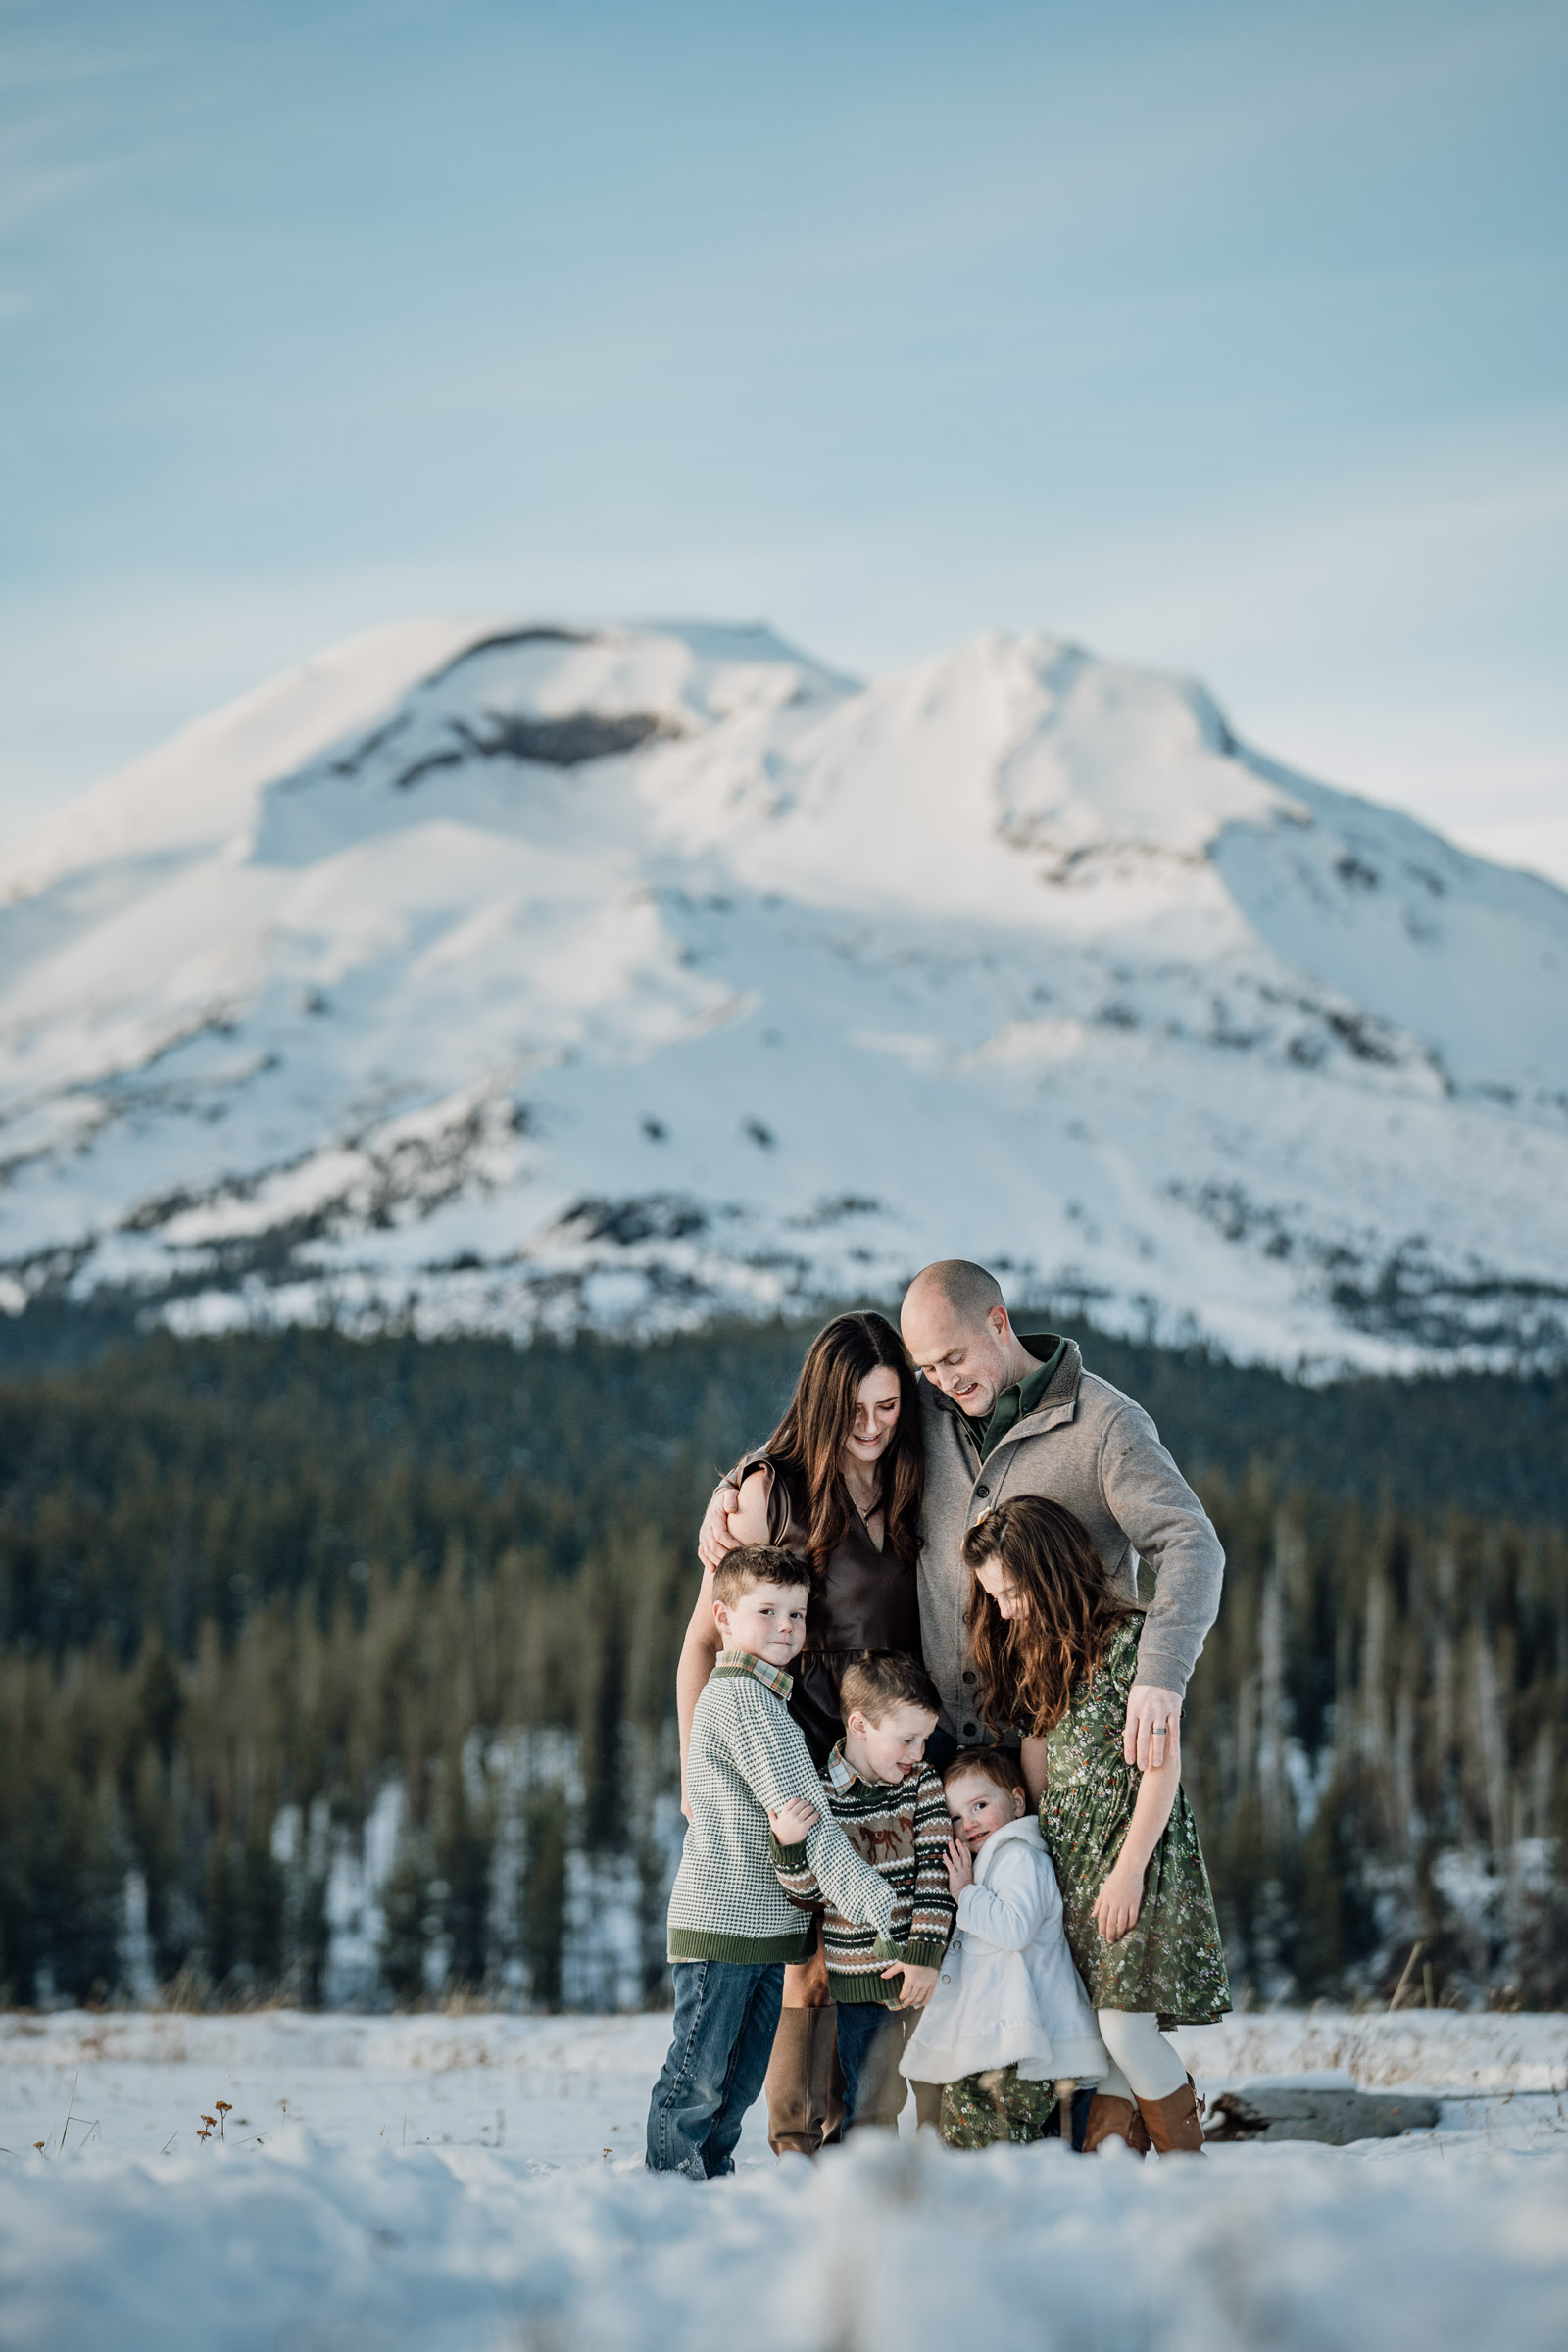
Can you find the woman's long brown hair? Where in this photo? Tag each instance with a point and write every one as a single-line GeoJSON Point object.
{"type": "Point", "coordinates": [807, 1445]}
{"type": "Point", "coordinates": [1028, 1664]}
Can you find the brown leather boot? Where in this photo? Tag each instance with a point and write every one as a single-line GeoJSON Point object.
{"type": "Point", "coordinates": [1173, 2123]}
{"type": "Point", "coordinates": [1115, 2119]}
{"type": "Point", "coordinates": [802, 2108]}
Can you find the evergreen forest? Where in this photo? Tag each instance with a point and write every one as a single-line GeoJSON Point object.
{"type": "Point", "coordinates": [343, 1671]}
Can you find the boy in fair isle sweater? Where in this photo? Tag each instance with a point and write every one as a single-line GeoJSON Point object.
{"type": "Point", "coordinates": [891, 1806]}
{"type": "Point", "coordinates": [732, 1929]}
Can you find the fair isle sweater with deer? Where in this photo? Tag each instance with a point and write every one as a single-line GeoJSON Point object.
{"type": "Point", "coordinates": [747, 1757]}
{"type": "Point", "coordinates": [901, 1828]}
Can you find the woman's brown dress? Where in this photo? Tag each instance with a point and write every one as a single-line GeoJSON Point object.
{"type": "Point", "coordinates": [862, 1599]}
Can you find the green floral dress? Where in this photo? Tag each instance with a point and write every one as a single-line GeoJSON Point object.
{"type": "Point", "coordinates": [980, 2109]}
{"type": "Point", "coordinates": [1172, 1962]}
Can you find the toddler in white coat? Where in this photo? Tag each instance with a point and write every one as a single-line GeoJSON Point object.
{"type": "Point", "coordinates": [1008, 2020]}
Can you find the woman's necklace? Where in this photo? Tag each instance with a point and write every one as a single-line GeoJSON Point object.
{"type": "Point", "coordinates": [867, 1500]}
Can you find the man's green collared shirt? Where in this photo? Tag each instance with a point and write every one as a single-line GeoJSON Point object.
{"type": "Point", "coordinates": [1024, 1395]}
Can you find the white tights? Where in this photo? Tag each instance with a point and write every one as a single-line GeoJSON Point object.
{"type": "Point", "coordinates": [1143, 2065]}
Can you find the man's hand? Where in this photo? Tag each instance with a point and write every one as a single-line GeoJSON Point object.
{"type": "Point", "coordinates": [1154, 1734]}
{"type": "Point", "coordinates": [685, 1800]}
{"type": "Point", "coordinates": [1118, 1903]}
{"type": "Point", "coordinates": [919, 1983]}
{"type": "Point", "coordinates": [714, 1538]}
{"type": "Point", "coordinates": [794, 1821]}
{"type": "Point", "coordinates": [960, 1867]}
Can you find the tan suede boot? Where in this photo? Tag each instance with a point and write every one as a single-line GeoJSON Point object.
{"type": "Point", "coordinates": [1115, 2119]}
{"type": "Point", "coordinates": [802, 2108]}
{"type": "Point", "coordinates": [1173, 2123]}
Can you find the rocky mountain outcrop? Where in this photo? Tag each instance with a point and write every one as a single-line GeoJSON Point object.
{"type": "Point", "coordinates": [507, 976]}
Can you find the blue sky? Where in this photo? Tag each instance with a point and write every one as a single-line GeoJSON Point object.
{"type": "Point", "coordinates": [1227, 337]}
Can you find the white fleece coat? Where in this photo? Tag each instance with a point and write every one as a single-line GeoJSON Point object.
{"type": "Point", "coordinates": [1009, 1993]}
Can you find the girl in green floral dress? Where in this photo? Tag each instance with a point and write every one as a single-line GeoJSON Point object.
{"type": "Point", "coordinates": [1056, 1645]}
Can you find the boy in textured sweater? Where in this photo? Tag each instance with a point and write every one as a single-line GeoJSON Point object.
{"type": "Point", "coordinates": [891, 1806]}
{"type": "Point", "coordinates": [732, 1929]}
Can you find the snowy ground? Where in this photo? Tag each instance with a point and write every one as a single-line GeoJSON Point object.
{"type": "Point", "coordinates": [456, 2182]}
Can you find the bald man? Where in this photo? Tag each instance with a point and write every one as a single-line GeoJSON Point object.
{"type": "Point", "coordinates": [1009, 1414]}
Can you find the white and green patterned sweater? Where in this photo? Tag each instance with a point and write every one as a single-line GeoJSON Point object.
{"type": "Point", "coordinates": [747, 1754]}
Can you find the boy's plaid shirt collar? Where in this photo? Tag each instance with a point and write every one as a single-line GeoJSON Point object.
{"type": "Point", "coordinates": [842, 1777]}
{"type": "Point", "coordinates": [746, 1661]}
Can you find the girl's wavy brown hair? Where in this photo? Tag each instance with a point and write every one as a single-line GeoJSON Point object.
{"type": "Point", "coordinates": [1028, 1664]}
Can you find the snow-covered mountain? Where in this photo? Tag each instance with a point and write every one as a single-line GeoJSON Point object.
{"type": "Point", "coordinates": [541, 975]}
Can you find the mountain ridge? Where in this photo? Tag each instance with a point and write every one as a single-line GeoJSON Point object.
{"type": "Point", "coordinates": [527, 975]}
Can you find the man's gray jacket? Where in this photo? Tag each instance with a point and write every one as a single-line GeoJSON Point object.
{"type": "Point", "coordinates": [1093, 1450]}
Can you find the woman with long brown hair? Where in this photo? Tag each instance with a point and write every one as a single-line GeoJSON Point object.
{"type": "Point", "coordinates": [839, 1482]}
{"type": "Point", "coordinates": [1056, 1646]}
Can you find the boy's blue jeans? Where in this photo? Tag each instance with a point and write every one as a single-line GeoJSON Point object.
{"type": "Point", "coordinates": [726, 2015]}
{"type": "Point", "coordinates": [871, 2040]}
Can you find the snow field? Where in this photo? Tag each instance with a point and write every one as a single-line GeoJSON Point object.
{"type": "Point", "coordinates": [456, 2182]}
